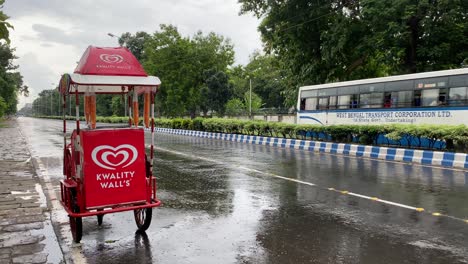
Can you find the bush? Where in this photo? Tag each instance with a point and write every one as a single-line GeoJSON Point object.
{"type": "Point", "coordinates": [286, 130]}
{"type": "Point", "coordinates": [197, 124]}
{"type": "Point", "coordinates": [454, 137]}
{"type": "Point", "coordinates": [341, 133]}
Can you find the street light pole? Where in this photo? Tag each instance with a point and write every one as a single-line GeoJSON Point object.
{"type": "Point", "coordinates": [114, 36]}
{"type": "Point", "coordinates": [125, 103]}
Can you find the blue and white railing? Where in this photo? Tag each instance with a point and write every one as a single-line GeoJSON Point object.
{"type": "Point", "coordinates": [437, 158]}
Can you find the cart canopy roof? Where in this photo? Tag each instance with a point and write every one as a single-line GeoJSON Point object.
{"type": "Point", "coordinates": [108, 70]}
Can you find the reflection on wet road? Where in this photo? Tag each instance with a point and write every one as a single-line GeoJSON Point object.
{"type": "Point", "coordinates": [219, 209]}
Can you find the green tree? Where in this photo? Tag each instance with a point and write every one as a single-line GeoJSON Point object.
{"type": "Point", "coordinates": [117, 106]}
{"type": "Point", "coordinates": [3, 106]}
{"type": "Point", "coordinates": [235, 107]}
{"type": "Point", "coordinates": [180, 63]}
{"type": "Point", "coordinates": [418, 35]}
{"type": "Point", "coordinates": [252, 102]}
{"type": "Point", "coordinates": [104, 104]}
{"type": "Point", "coordinates": [11, 81]}
{"type": "Point", "coordinates": [165, 52]}
{"type": "Point", "coordinates": [217, 91]}
{"type": "Point", "coordinates": [325, 41]}
{"type": "Point", "coordinates": [135, 43]}
{"type": "Point", "coordinates": [4, 26]}
{"type": "Point", "coordinates": [267, 79]}
{"type": "Point", "coordinates": [239, 80]}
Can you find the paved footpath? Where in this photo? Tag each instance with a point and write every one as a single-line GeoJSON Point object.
{"type": "Point", "coordinates": [26, 234]}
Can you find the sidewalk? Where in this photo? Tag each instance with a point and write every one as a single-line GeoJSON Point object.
{"type": "Point", "coordinates": [24, 223]}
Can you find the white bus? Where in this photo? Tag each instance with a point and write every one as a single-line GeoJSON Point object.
{"type": "Point", "coordinates": [439, 97]}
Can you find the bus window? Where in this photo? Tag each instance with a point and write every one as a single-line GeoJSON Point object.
{"type": "Point", "coordinates": [364, 100]}
{"type": "Point", "coordinates": [417, 98]}
{"type": "Point", "coordinates": [430, 97]}
{"type": "Point", "coordinates": [332, 102]}
{"type": "Point", "coordinates": [354, 101]}
{"type": "Point", "coordinates": [401, 99]}
{"type": "Point", "coordinates": [442, 97]}
{"type": "Point", "coordinates": [310, 104]}
{"type": "Point", "coordinates": [372, 100]}
{"type": "Point", "coordinates": [375, 100]}
{"type": "Point", "coordinates": [344, 101]}
{"type": "Point", "coordinates": [457, 96]}
{"type": "Point", "coordinates": [323, 103]}
{"type": "Point", "coordinates": [347, 101]}
{"type": "Point", "coordinates": [388, 100]}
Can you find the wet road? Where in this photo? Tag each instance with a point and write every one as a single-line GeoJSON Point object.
{"type": "Point", "coordinates": [227, 202]}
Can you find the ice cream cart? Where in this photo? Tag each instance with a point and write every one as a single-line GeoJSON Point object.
{"type": "Point", "coordinates": [108, 169]}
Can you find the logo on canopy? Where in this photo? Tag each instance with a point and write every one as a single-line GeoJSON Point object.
{"type": "Point", "coordinates": [111, 58]}
{"type": "Point", "coordinates": [110, 158]}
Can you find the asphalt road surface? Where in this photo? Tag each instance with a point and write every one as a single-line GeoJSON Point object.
{"type": "Point", "coordinates": [228, 202]}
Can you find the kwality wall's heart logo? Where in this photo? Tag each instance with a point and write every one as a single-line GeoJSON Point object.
{"type": "Point", "coordinates": [110, 158]}
{"type": "Point", "coordinates": [111, 58]}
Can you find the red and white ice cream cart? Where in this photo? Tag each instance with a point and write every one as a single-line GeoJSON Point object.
{"type": "Point", "coordinates": [107, 170]}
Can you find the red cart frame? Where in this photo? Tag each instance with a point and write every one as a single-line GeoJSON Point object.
{"type": "Point", "coordinates": [106, 170]}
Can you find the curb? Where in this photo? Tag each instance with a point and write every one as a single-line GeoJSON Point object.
{"type": "Point", "coordinates": [426, 157]}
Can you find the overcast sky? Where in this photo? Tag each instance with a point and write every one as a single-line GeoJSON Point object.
{"type": "Point", "coordinates": [51, 35]}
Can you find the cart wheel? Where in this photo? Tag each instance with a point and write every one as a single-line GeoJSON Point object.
{"type": "Point", "coordinates": [76, 227]}
{"type": "Point", "coordinates": [143, 218]}
{"type": "Point", "coordinates": [67, 163]}
{"type": "Point", "coordinates": [99, 219]}
{"type": "Point", "coordinates": [76, 224]}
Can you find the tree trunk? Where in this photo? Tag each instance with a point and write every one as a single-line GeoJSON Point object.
{"type": "Point", "coordinates": [411, 56]}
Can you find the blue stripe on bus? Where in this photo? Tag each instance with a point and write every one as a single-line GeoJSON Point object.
{"type": "Point", "coordinates": [445, 108]}
{"type": "Point", "coordinates": [309, 117]}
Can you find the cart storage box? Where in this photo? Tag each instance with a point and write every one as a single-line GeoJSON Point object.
{"type": "Point", "coordinates": [113, 167]}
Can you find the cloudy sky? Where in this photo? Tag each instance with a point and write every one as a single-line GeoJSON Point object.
{"type": "Point", "coordinates": [51, 35]}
